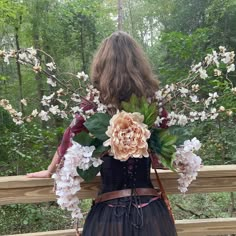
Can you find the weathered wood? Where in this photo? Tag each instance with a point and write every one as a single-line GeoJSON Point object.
{"type": "Point", "coordinates": [206, 227]}
{"type": "Point", "coordinates": [20, 189]}
{"type": "Point", "coordinates": [68, 232]}
{"type": "Point", "coordinates": [202, 227]}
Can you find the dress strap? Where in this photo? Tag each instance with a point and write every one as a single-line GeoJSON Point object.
{"type": "Point", "coordinates": [165, 198]}
{"type": "Point", "coordinates": [155, 165]}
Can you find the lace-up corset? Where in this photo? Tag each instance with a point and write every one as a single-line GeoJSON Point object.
{"type": "Point", "coordinates": [117, 175]}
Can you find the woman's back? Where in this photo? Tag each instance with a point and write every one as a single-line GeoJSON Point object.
{"type": "Point", "coordinates": [121, 209]}
{"type": "Point", "coordinates": [117, 175]}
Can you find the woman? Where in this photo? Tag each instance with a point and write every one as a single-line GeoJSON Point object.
{"type": "Point", "coordinates": [127, 204]}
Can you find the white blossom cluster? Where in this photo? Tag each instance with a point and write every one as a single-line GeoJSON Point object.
{"type": "Point", "coordinates": [16, 116]}
{"type": "Point", "coordinates": [24, 56]}
{"type": "Point", "coordinates": [188, 114]}
{"type": "Point", "coordinates": [182, 119]}
{"type": "Point", "coordinates": [82, 75]}
{"type": "Point", "coordinates": [7, 54]}
{"type": "Point", "coordinates": [93, 100]}
{"type": "Point", "coordinates": [51, 66]}
{"type": "Point", "coordinates": [51, 81]}
{"type": "Point", "coordinates": [93, 95]}
{"type": "Point", "coordinates": [185, 93]}
{"type": "Point", "coordinates": [215, 59]}
{"type": "Point", "coordinates": [29, 56]}
{"type": "Point", "coordinates": [68, 180]}
{"type": "Point", "coordinates": [187, 163]}
{"type": "Point", "coordinates": [186, 104]}
{"type": "Point", "coordinates": [165, 93]}
{"type": "Point", "coordinates": [55, 110]}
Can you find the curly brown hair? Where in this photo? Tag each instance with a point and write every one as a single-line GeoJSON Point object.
{"type": "Point", "coordinates": [120, 69]}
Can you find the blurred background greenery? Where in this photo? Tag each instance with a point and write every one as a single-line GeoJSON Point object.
{"type": "Point", "coordinates": [173, 33]}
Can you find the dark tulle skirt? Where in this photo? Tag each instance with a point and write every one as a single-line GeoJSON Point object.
{"type": "Point", "coordinates": [122, 217]}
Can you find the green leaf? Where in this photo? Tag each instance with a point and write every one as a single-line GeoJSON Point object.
{"type": "Point", "coordinates": [168, 162]}
{"type": "Point", "coordinates": [162, 143]}
{"type": "Point", "coordinates": [100, 150]}
{"type": "Point", "coordinates": [83, 138]}
{"type": "Point", "coordinates": [97, 125]}
{"type": "Point", "coordinates": [150, 115]}
{"type": "Point", "coordinates": [169, 140]}
{"type": "Point", "coordinates": [89, 174]}
{"type": "Point", "coordinates": [141, 105]}
{"type": "Point", "coordinates": [132, 106]}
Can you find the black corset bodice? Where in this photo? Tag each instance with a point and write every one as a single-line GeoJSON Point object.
{"type": "Point", "coordinates": [117, 175]}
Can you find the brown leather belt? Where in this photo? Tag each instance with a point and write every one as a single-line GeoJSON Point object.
{"type": "Point", "coordinates": [126, 193]}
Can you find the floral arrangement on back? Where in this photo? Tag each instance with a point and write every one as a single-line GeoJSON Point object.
{"type": "Point", "coordinates": [138, 129]}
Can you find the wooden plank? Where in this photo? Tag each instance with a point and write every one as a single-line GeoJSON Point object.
{"type": "Point", "coordinates": [206, 227]}
{"type": "Point", "coordinates": [20, 189]}
{"type": "Point", "coordinates": [200, 227]}
{"type": "Point", "coordinates": [203, 185]}
{"type": "Point", "coordinates": [21, 181]}
{"type": "Point", "coordinates": [68, 232]}
{"type": "Point", "coordinates": [206, 171]}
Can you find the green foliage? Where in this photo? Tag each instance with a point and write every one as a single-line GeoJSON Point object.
{"type": "Point", "coordinates": [97, 125]}
{"type": "Point", "coordinates": [174, 33]}
{"type": "Point", "coordinates": [25, 149]}
{"type": "Point", "coordinates": [89, 174]}
{"type": "Point", "coordinates": [201, 206]}
{"type": "Point", "coordinates": [11, 12]}
{"type": "Point", "coordinates": [162, 143]}
{"type": "Point", "coordinates": [149, 111]}
{"type": "Point", "coordinates": [29, 218]}
{"type": "Point", "coordinates": [83, 138]}
{"type": "Point", "coordinates": [179, 51]}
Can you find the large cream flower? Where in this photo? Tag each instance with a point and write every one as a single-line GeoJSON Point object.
{"type": "Point", "coordinates": [127, 136]}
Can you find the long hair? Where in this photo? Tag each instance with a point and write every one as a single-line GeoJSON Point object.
{"type": "Point", "coordinates": [120, 69]}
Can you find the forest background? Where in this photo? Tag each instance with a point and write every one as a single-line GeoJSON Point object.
{"type": "Point", "coordinates": [174, 34]}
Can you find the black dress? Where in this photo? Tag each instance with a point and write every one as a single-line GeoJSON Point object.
{"type": "Point", "coordinates": [122, 217]}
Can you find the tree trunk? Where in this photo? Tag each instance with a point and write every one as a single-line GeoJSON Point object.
{"type": "Point", "coordinates": [151, 30]}
{"type": "Point", "coordinates": [131, 18]}
{"type": "Point", "coordinates": [36, 45]}
{"type": "Point", "coordinates": [19, 68]}
{"type": "Point", "coordinates": [120, 14]}
{"type": "Point", "coordinates": [82, 47]}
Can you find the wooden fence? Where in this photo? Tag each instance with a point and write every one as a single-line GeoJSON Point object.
{"type": "Point", "coordinates": [19, 189]}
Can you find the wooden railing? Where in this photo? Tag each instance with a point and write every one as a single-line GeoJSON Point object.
{"type": "Point", "coordinates": [19, 189]}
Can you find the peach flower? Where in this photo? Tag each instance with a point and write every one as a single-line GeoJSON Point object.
{"type": "Point", "coordinates": [127, 136]}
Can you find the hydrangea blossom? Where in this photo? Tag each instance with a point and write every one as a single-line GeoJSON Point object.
{"type": "Point", "coordinates": [68, 180]}
{"type": "Point", "coordinates": [187, 163]}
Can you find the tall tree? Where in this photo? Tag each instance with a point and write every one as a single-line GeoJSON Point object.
{"type": "Point", "coordinates": [11, 18]}
{"type": "Point", "coordinates": [120, 14]}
